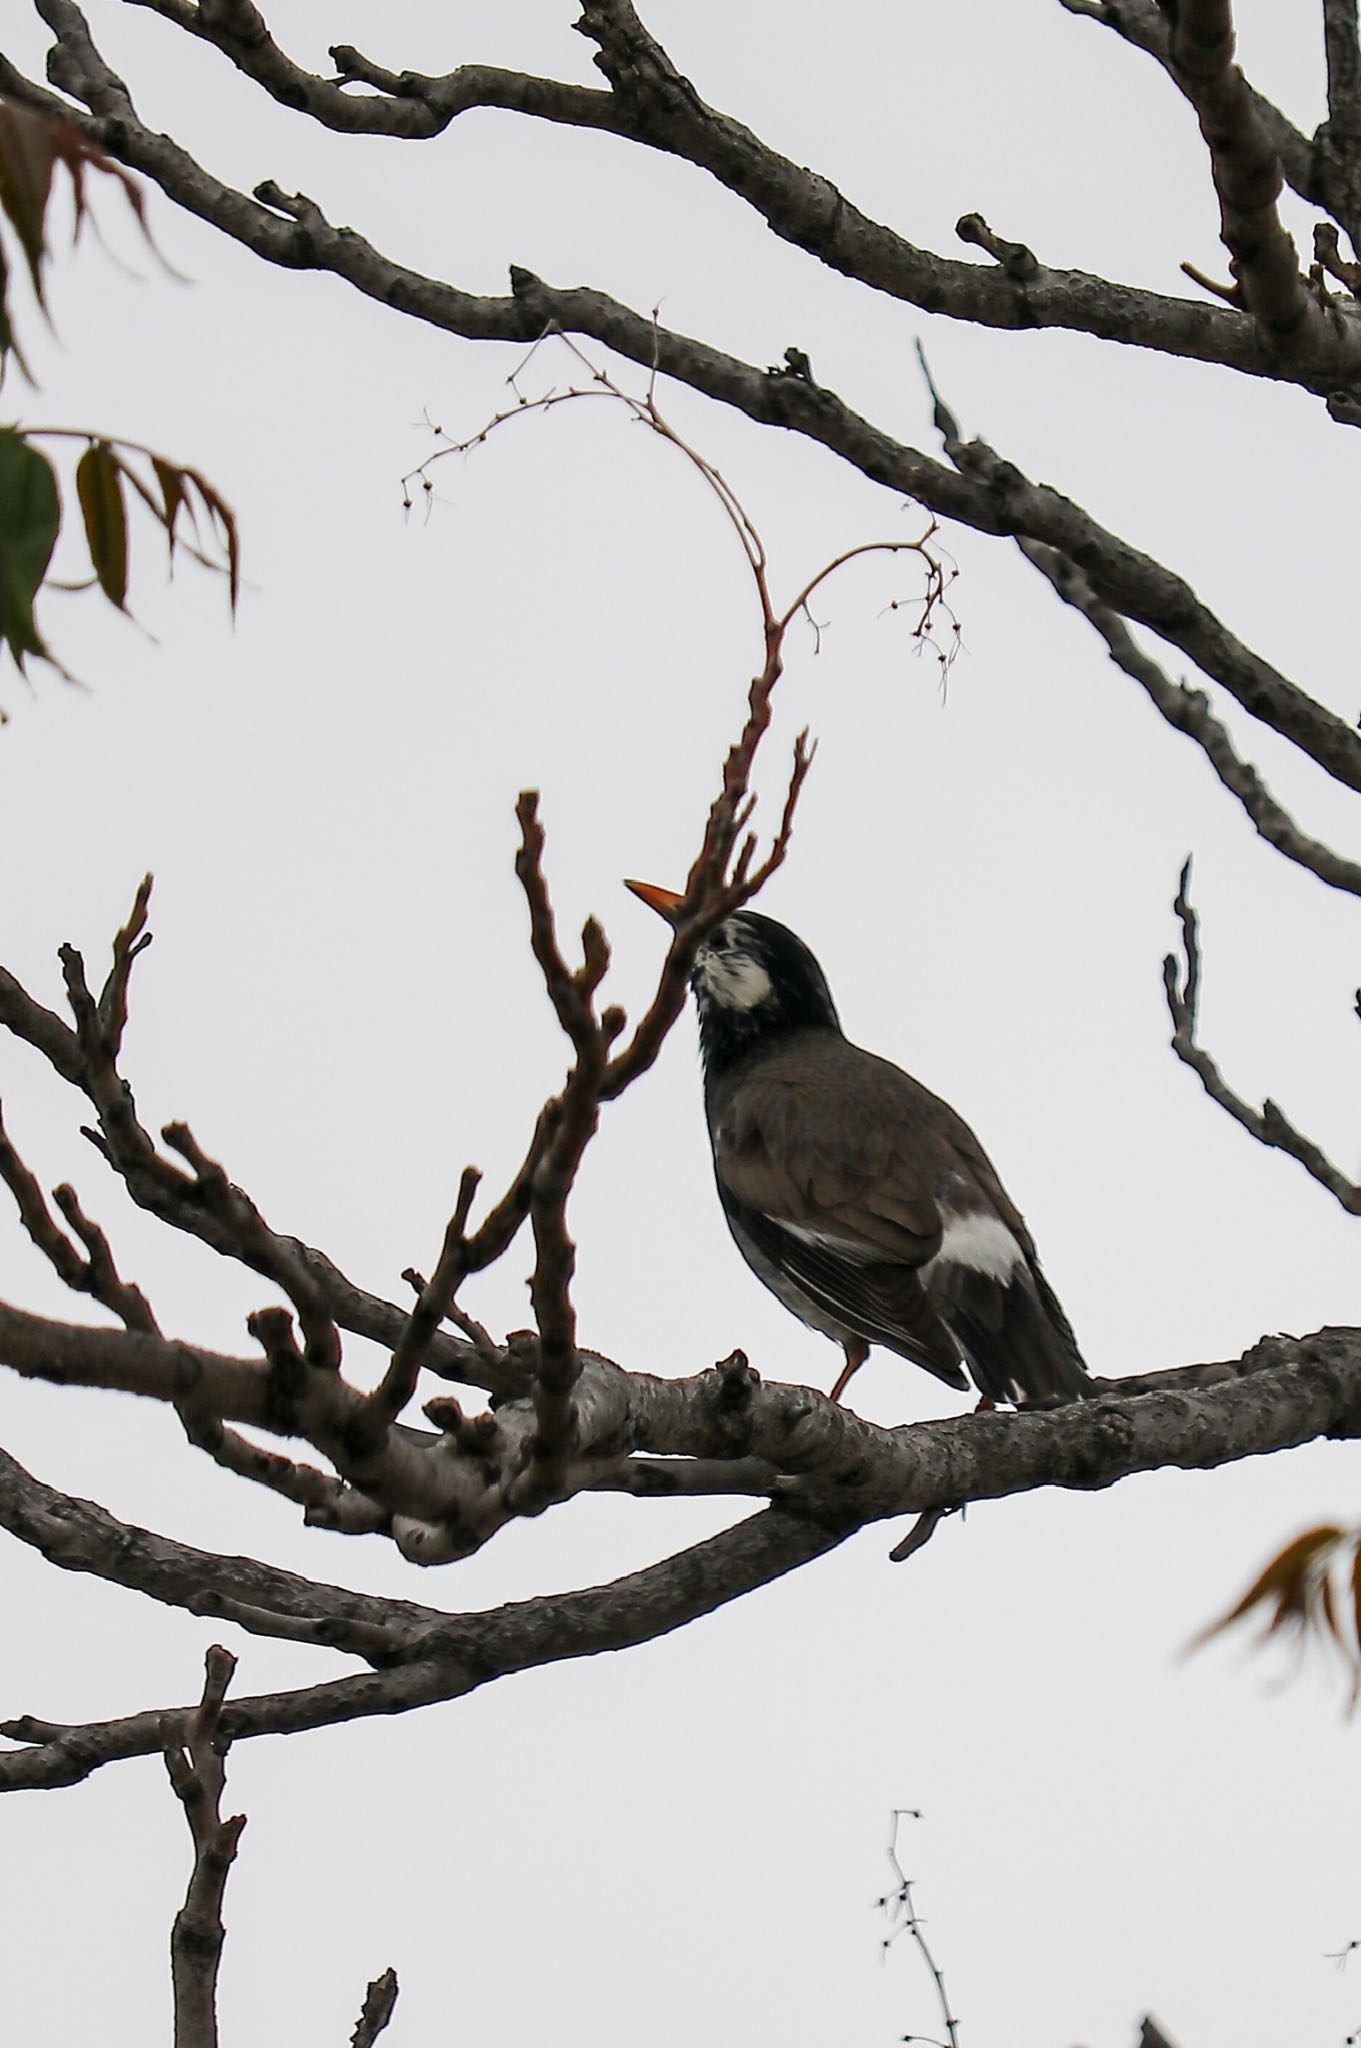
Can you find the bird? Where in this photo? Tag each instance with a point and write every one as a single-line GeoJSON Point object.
{"type": "Point", "coordinates": [862, 1200]}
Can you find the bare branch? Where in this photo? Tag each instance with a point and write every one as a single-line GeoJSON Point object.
{"type": "Point", "coordinates": [653, 1478]}
{"type": "Point", "coordinates": [1003, 502]}
{"type": "Point", "coordinates": [78, 1536]}
{"type": "Point", "coordinates": [1269, 1125]}
{"type": "Point", "coordinates": [904, 1919]}
{"type": "Point", "coordinates": [1248, 180]}
{"type": "Point", "coordinates": [96, 1274]}
{"type": "Point", "coordinates": [133, 939]}
{"type": "Point", "coordinates": [195, 1758]}
{"type": "Point", "coordinates": [258, 1246]}
{"type": "Point", "coordinates": [380, 2002]}
{"type": "Point", "coordinates": [1015, 258]}
{"type": "Point", "coordinates": [465, 1651]}
{"type": "Point", "coordinates": [1072, 537]}
{"type": "Point", "coordinates": [576, 1113]}
{"type": "Point", "coordinates": [398, 1385]}
{"type": "Point", "coordinates": [1329, 257]}
{"type": "Point", "coordinates": [1283, 1392]}
{"type": "Point", "coordinates": [406, 104]}
{"type": "Point", "coordinates": [1144, 25]}
{"type": "Point", "coordinates": [1188, 711]}
{"type": "Point", "coordinates": [1344, 72]}
{"type": "Point", "coordinates": [663, 111]}
{"type": "Point", "coordinates": [330, 1503]}
{"type": "Point", "coordinates": [169, 1194]}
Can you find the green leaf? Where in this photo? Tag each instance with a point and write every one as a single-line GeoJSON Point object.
{"type": "Point", "coordinates": [30, 518]}
{"type": "Point", "coordinates": [99, 486]}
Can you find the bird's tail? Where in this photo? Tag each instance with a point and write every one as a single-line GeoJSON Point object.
{"type": "Point", "coordinates": [1025, 1355]}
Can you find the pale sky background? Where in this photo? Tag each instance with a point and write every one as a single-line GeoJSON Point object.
{"type": "Point", "coordinates": [683, 1844]}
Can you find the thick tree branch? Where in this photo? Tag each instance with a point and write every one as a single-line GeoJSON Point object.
{"type": "Point", "coordinates": [1247, 177]}
{"type": "Point", "coordinates": [1284, 1392]}
{"type": "Point", "coordinates": [1185, 709]}
{"type": "Point", "coordinates": [1003, 502]}
{"type": "Point", "coordinates": [1344, 72]}
{"type": "Point", "coordinates": [79, 1536]}
{"type": "Point", "coordinates": [467, 1651]}
{"type": "Point", "coordinates": [662, 110]}
{"type": "Point", "coordinates": [1144, 25]}
{"type": "Point", "coordinates": [1338, 141]}
{"type": "Point", "coordinates": [403, 104]}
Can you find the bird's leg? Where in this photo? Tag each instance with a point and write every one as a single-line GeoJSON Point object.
{"type": "Point", "coordinates": [857, 1351]}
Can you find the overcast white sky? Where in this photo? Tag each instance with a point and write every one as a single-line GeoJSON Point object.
{"type": "Point", "coordinates": [685, 1844]}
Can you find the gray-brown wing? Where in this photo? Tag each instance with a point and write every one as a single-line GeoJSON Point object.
{"type": "Point", "coordinates": [827, 1141]}
{"type": "Point", "coordinates": [868, 1193]}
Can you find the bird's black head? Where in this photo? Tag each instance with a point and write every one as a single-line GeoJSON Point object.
{"type": "Point", "coordinates": [754, 981]}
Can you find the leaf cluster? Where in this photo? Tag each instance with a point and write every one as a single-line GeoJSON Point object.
{"type": "Point", "coordinates": [1309, 1592]}
{"type": "Point", "coordinates": [191, 512]}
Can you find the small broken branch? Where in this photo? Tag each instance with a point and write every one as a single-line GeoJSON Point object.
{"type": "Point", "coordinates": [380, 2002]}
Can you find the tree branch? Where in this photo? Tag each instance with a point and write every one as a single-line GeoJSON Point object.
{"type": "Point", "coordinates": [379, 2004]}
{"type": "Point", "coordinates": [469, 1651]}
{"type": "Point", "coordinates": [1006, 502]}
{"type": "Point", "coordinates": [195, 1757]}
{"type": "Point", "coordinates": [1188, 711]}
{"type": "Point", "coordinates": [1143, 24]}
{"type": "Point", "coordinates": [654, 106]}
{"type": "Point", "coordinates": [1268, 1125]}
{"type": "Point", "coordinates": [1338, 141]}
{"type": "Point", "coordinates": [1247, 177]}
{"type": "Point", "coordinates": [1283, 1392]}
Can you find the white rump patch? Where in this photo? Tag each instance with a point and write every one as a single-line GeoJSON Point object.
{"type": "Point", "coordinates": [735, 981]}
{"type": "Point", "coordinates": [981, 1242]}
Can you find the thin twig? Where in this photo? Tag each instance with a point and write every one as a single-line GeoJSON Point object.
{"type": "Point", "coordinates": [398, 1384]}
{"type": "Point", "coordinates": [1188, 711]}
{"type": "Point", "coordinates": [1268, 1125]}
{"type": "Point", "coordinates": [904, 1919]}
{"type": "Point", "coordinates": [96, 1274]}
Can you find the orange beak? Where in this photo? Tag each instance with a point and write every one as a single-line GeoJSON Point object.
{"type": "Point", "coordinates": [664, 901]}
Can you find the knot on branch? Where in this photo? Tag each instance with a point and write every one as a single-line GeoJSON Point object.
{"type": "Point", "coordinates": [736, 1379]}
{"type": "Point", "coordinates": [1020, 263]}
{"type": "Point", "coordinates": [637, 67]}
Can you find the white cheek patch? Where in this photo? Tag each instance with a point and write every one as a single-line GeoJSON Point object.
{"type": "Point", "coordinates": [733, 980]}
{"type": "Point", "coordinates": [983, 1243]}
